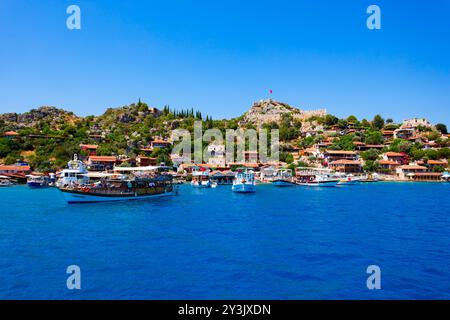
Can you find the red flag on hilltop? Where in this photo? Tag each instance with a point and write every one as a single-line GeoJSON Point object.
{"type": "Point", "coordinates": [270, 91]}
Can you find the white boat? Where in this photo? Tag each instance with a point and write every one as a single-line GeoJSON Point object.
{"type": "Point", "coordinates": [5, 181]}
{"type": "Point", "coordinates": [349, 180]}
{"type": "Point", "coordinates": [283, 178]}
{"type": "Point", "coordinates": [38, 181]}
{"type": "Point", "coordinates": [200, 178]}
{"type": "Point", "coordinates": [244, 181]}
{"type": "Point", "coordinates": [446, 176]}
{"type": "Point", "coordinates": [75, 174]}
{"type": "Point", "coordinates": [314, 177]}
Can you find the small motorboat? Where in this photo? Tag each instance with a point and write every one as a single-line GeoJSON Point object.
{"type": "Point", "coordinates": [200, 178]}
{"type": "Point", "coordinates": [244, 181]}
{"type": "Point", "coordinates": [6, 181]}
{"type": "Point", "coordinates": [349, 180]}
{"type": "Point", "coordinates": [38, 181]}
{"type": "Point", "coordinates": [283, 178]}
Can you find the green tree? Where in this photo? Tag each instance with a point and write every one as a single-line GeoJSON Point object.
{"type": "Point", "coordinates": [442, 128]}
{"type": "Point", "coordinates": [378, 122]}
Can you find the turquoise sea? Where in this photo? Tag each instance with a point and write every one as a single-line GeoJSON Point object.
{"type": "Point", "coordinates": [279, 243]}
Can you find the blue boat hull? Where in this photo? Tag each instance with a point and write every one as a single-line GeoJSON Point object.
{"type": "Point", "coordinates": [282, 183]}
{"type": "Point", "coordinates": [37, 185]}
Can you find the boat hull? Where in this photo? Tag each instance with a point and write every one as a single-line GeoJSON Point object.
{"type": "Point", "coordinates": [244, 188]}
{"type": "Point", "coordinates": [319, 184]}
{"type": "Point", "coordinates": [283, 183]}
{"type": "Point", "coordinates": [201, 185]}
{"type": "Point", "coordinates": [37, 185]}
{"type": "Point", "coordinates": [76, 197]}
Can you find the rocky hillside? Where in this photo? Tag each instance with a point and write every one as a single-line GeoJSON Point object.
{"type": "Point", "coordinates": [34, 117]}
{"type": "Point", "coordinates": [265, 111]}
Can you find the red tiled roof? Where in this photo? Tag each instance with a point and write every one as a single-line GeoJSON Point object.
{"type": "Point", "coordinates": [388, 162]}
{"type": "Point", "coordinates": [161, 142]}
{"type": "Point", "coordinates": [437, 162]}
{"type": "Point", "coordinates": [103, 158]}
{"type": "Point", "coordinates": [340, 152]}
{"type": "Point", "coordinates": [10, 134]}
{"type": "Point", "coordinates": [14, 168]}
{"type": "Point", "coordinates": [413, 167]}
{"type": "Point", "coordinates": [88, 146]}
{"type": "Point", "coordinates": [344, 162]}
{"type": "Point", "coordinates": [394, 154]}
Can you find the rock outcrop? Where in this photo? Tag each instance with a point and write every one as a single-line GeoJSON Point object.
{"type": "Point", "coordinates": [266, 111]}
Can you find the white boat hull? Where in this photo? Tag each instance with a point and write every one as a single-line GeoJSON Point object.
{"type": "Point", "coordinates": [72, 198]}
{"type": "Point", "coordinates": [244, 188]}
{"type": "Point", "coordinates": [206, 184]}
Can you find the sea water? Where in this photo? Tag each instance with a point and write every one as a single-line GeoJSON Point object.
{"type": "Point", "coordinates": [279, 243]}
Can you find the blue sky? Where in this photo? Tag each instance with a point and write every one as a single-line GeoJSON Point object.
{"type": "Point", "coordinates": [220, 56]}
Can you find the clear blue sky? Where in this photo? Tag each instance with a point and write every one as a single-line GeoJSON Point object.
{"type": "Point", "coordinates": [220, 56]}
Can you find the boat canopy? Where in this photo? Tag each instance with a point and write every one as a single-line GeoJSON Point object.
{"type": "Point", "coordinates": [4, 177]}
{"type": "Point", "coordinates": [99, 174]}
{"type": "Point", "coordinates": [131, 169]}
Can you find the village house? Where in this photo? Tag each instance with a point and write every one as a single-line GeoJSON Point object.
{"type": "Point", "coordinates": [407, 172]}
{"type": "Point", "coordinates": [405, 133]}
{"type": "Point", "coordinates": [437, 163]}
{"type": "Point", "coordinates": [91, 149]}
{"type": "Point", "coordinates": [398, 157]}
{"type": "Point", "coordinates": [251, 156]}
{"type": "Point", "coordinates": [10, 135]}
{"type": "Point", "coordinates": [387, 134]}
{"type": "Point", "coordinates": [160, 144]}
{"type": "Point", "coordinates": [388, 166]}
{"type": "Point", "coordinates": [143, 161]}
{"type": "Point", "coordinates": [334, 155]}
{"type": "Point", "coordinates": [18, 169]}
{"type": "Point", "coordinates": [101, 163]}
{"type": "Point", "coordinates": [222, 177]}
{"type": "Point", "coordinates": [346, 166]}
{"type": "Point", "coordinates": [216, 154]}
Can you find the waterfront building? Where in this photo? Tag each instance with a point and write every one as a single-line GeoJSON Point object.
{"type": "Point", "coordinates": [437, 163]}
{"type": "Point", "coordinates": [335, 155]}
{"type": "Point", "coordinates": [407, 172]}
{"type": "Point", "coordinates": [18, 169]}
{"type": "Point", "coordinates": [346, 166]}
{"type": "Point", "coordinates": [101, 163]}
{"type": "Point", "coordinates": [222, 178]}
{"type": "Point", "coordinates": [427, 176]}
{"type": "Point", "coordinates": [388, 166]}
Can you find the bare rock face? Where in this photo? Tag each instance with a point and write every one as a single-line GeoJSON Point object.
{"type": "Point", "coordinates": [27, 119]}
{"type": "Point", "coordinates": [266, 111]}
